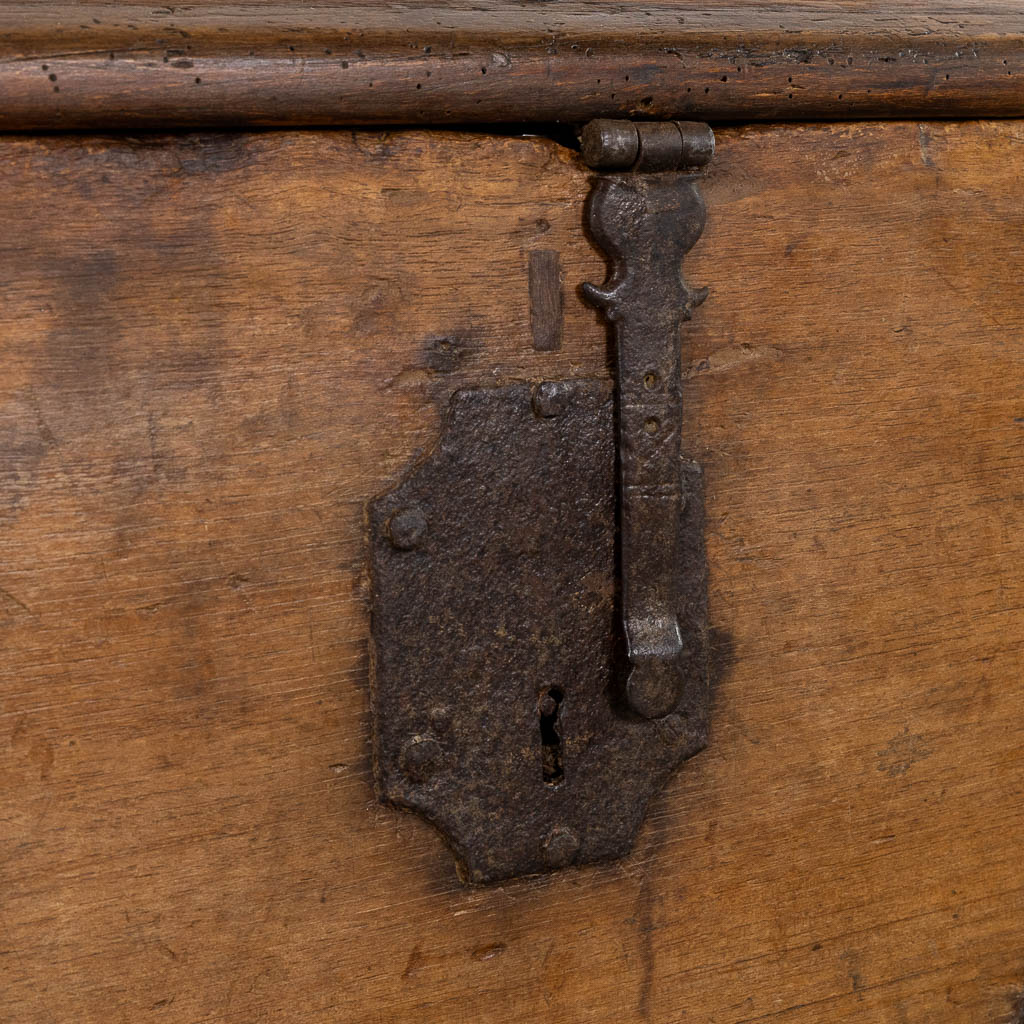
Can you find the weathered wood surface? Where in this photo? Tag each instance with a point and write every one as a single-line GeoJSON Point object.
{"type": "Point", "coordinates": [102, 65]}
{"type": "Point", "coordinates": [216, 349]}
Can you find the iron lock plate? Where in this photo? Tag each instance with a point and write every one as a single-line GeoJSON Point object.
{"type": "Point", "coordinates": [539, 660]}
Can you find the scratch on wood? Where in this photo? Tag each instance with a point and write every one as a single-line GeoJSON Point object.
{"type": "Point", "coordinates": [490, 951]}
{"type": "Point", "coordinates": [732, 357]}
{"type": "Point", "coordinates": [21, 604]}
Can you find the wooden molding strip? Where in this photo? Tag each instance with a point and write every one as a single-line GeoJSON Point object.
{"type": "Point", "coordinates": [106, 65]}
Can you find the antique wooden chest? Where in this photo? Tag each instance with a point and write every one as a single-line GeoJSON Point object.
{"type": "Point", "coordinates": [252, 259]}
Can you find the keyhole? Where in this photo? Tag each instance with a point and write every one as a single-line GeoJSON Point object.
{"type": "Point", "coordinates": [551, 742]}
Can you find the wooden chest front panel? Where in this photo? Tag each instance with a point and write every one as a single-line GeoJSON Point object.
{"type": "Point", "coordinates": [216, 349]}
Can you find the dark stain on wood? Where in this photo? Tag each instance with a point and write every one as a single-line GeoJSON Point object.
{"type": "Point", "coordinates": [1018, 1009]}
{"type": "Point", "coordinates": [546, 300]}
{"type": "Point", "coordinates": [447, 353]}
{"type": "Point", "coordinates": [721, 656]}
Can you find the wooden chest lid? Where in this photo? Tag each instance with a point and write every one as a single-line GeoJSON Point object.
{"type": "Point", "coordinates": [117, 65]}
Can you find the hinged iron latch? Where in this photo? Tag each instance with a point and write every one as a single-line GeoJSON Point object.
{"type": "Point", "coordinates": [539, 581]}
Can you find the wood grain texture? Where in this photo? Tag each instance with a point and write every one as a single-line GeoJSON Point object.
{"type": "Point", "coordinates": [106, 65]}
{"type": "Point", "coordinates": [217, 348]}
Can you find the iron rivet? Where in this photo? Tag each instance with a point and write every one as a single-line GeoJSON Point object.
{"type": "Point", "coordinates": [420, 758]}
{"type": "Point", "coordinates": [561, 847]}
{"type": "Point", "coordinates": [406, 528]}
{"type": "Point", "coordinates": [551, 398]}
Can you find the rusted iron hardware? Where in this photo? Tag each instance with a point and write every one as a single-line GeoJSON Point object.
{"type": "Point", "coordinates": [646, 223]}
{"type": "Point", "coordinates": [539, 584]}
